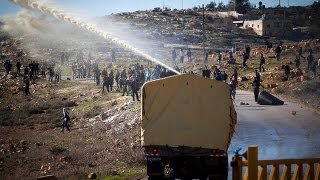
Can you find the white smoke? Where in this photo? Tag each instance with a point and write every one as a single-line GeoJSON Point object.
{"type": "Point", "coordinates": [47, 7]}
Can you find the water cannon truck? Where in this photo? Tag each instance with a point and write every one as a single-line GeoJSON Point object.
{"type": "Point", "coordinates": [187, 125]}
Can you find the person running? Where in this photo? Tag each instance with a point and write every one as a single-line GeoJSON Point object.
{"type": "Point", "coordinates": [233, 83]}
{"type": "Point", "coordinates": [256, 87]}
{"type": "Point", "coordinates": [65, 120]}
{"type": "Point", "coordinates": [262, 63]}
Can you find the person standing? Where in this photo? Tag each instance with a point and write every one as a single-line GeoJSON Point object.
{"type": "Point", "coordinates": [18, 66]}
{"type": "Point", "coordinates": [262, 62]}
{"type": "Point", "coordinates": [7, 66]}
{"type": "Point", "coordinates": [174, 56]}
{"type": "Point", "coordinates": [97, 75]}
{"type": "Point", "coordinates": [113, 56]}
{"type": "Point", "coordinates": [181, 55]}
{"type": "Point", "coordinates": [245, 58]}
{"type": "Point", "coordinates": [148, 75]}
{"type": "Point", "coordinates": [65, 120]}
{"type": "Point", "coordinates": [258, 76]}
{"type": "Point", "coordinates": [219, 58]}
{"type": "Point", "coordinates": [313, 68]}
{"type": "Point", "coordinates": [111, 80]}
{"type": "Point", "coordinates": [256, 86]}
{"type": "Point", "coordinates": [189, 55]}
{"type": "Point", "coordinates": [134, 88]}
{"type": "Point", "coordinates": [297, 60]}
{"type": "Point", "coordinates": [287, 70]}
{"type": "Point", "coordinates": [117, 78]}
{"type": "Point", "coordinates": [309, 61]}
{"type": "Point", "coordinates": [248, 50]}
{"type": "Point", "coordinates": [26, 85]}
{"type": "Point", "coordinates": [278, 52]}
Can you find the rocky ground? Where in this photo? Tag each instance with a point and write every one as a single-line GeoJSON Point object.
{"type": "Point", "coordinates": [105, 134]}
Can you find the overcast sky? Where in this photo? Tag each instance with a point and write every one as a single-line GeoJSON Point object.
{"type": "Point", "coordinates": [103, 7]}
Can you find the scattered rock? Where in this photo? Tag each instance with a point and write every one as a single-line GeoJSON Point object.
{"type": "Point", "coordinates": [91, 165]}
{"type": "Point", "coordinates": [243, 103]}
{"type": "Point", "coordinates": [104, 115]}
{"type": "Point", "coordinates": [92, 176]}
{"type": "Point", "coordinates": [294, 112]}
{"type": "Point", "coordinates": [48, 177]}
{"type": "Point", "coordinates": [243, 79]}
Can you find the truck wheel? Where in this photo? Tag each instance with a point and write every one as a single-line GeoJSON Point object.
{"type": "Point", "coordinates": [168, 172]}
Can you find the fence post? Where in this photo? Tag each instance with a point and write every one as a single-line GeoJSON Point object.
{"type": "Point", "coordinates": [252, 157]}
{"type": "Point", "coordinates": [236, 167]}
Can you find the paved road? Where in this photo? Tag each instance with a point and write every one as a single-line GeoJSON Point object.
{"type": "Point", "coordinates": [277, 132]}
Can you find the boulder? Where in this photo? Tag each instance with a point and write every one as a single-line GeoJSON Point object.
{"type": "Point", "coordinates": [92, 176]}
{"type": "Point", "coordinates": [104, 115]}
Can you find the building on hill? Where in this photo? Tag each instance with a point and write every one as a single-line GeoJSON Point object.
{"type": "Point", "coordinates": [273, 22]}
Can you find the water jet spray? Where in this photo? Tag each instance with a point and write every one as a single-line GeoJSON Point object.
{"type": "Point", "coordinates": [45, 7]}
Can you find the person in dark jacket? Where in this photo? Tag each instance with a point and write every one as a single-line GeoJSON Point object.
{"type": "Point", "coordinates": [134, 88]}
{"type": "Point", "coordinates": [278, 52]}
{"type": "Point", "coordinates": [287, 71]}
{"type": "Point", "coordinates": [262, 62]}
{"type": "Point", "coordinates": [245, 58]}
{"type": "Point", "coordinates": [26, 85]}
{"type": "Point", "coordinates": [18, 66]}
{"type": "Point", "coordinates": [256, 87]}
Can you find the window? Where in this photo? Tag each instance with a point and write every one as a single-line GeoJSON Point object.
{"type": "Point", "coordinates": [258, 26]}
{"type": "Point", "coordinates": [252, 25]}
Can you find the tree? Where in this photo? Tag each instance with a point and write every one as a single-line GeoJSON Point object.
{"type": "Point", "coordinates": [211, 5]}
{"type": "Point", "coordinates": [242, 6]}
{"type": "Point", "coordinates": [221, 6]}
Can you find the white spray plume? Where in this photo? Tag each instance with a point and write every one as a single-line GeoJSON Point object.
{"type": "Point", "coordinates": [48, 8]}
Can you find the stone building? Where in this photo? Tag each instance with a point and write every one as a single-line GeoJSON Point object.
{"type": "Point", "coordinates": [274, 22]}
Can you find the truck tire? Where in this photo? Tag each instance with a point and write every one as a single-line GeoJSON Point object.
{"type": "Point", "coordinates": [168, 172]}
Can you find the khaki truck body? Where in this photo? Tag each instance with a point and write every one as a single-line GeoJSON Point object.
{"type": "Point", "coordinates": [187, 120]}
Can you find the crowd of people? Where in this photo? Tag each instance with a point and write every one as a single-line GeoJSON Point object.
{"type": "Point", "coordinates": [32, 71]}
{"type": "Point", "coordinates": [128, 81]}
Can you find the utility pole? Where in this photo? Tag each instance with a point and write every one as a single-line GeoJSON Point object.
{"type": "Point", "coordinates": [279, 3]}
{"type": "Point", "coordinates": [162, 5]}
{"type": "Point", "coordinates": [182, 3]}
{"type": "Point", "coordinates": [234, 5]}
{"type": "Point", "coordinates": [203, 33]}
